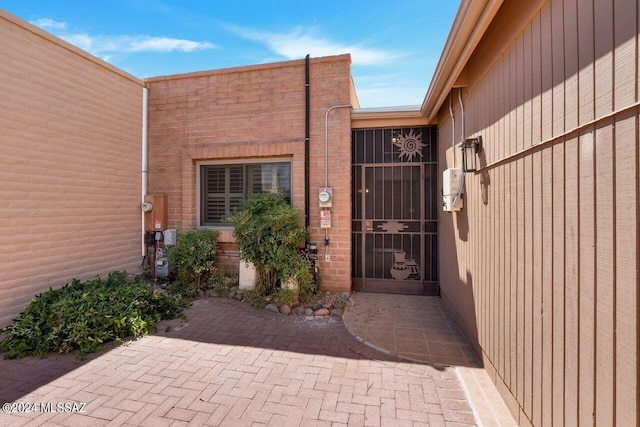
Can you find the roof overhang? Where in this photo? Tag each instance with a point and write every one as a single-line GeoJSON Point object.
{"type": "Point", "coordinates": [409, 115]}
{"type": "Point", "coordinates": [471, 22]}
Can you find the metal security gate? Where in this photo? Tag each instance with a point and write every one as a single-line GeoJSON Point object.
{"type": "Point", "coordinates": [395, 209]}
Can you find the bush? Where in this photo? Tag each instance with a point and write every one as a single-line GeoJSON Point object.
{"type": "Point", "coordinates": [269, 233]}
{"type": "Point", "coordinates": [194, 259]}
{"type": "Point", "coordinates": [83, 315]}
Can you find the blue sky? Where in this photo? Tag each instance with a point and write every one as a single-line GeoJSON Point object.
{"type": "Point", "coordinates": [395, 45]}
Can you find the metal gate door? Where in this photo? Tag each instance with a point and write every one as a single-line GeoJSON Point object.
{"type": "Point", "coordinates": [394, 211]}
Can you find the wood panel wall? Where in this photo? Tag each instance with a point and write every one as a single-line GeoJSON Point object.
{"type": "Point", "coordinates": [547, 244]}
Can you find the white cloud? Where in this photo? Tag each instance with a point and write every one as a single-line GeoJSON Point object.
{"type": "Point", "coordinates": [371, 97]}
{"type": "Point", "coordinates": [166, 44]}
{"type": "Point", "coordinates": [300, 42]}
{"type": "Point", "coordinates": [103, 45]}
{"type": "Point", "coordinates": [100, 45]}
{"type": "Point", "coordinates": [388, 90]}
{"type": "Point", "coordinates": [50, 24]}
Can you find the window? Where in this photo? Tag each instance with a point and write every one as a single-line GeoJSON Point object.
{"type": "Point", "coordinates": [223, 187]}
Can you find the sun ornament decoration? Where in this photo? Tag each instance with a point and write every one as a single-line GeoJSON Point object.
{"type": "Point", "coordinates": [409, 145]}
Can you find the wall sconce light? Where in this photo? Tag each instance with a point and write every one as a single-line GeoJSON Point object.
{"type": "Point", "coordinates": [471, 147]}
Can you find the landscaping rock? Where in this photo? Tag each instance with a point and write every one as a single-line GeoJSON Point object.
{"type": "Point", "coordinates": [233, 291]}
{"type": "Point", "coordinates": [345, 295]}
{"type": "Point", "coordinates": [299, 311]}
{"type": "Point", "coordinates": [321, 312]}
{"type": "Point", "coordinates": [316, 306]}
{"type": "Point", "coordinates": [327, 305]}
{"type": "Point", "coordinates": [308, 311]}
{"type": "Point", "coordinates": [285, 309]}
{"type": "Point", "coordinates": [238, 296]}
{"type": "Point", "coordinates": [336, 312]}
{"type": "Point", "coordinates": [272, 307]}
{"type": "Point", "coordinates": [339, 305]}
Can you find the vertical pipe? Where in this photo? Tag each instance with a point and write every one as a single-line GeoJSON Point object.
{"type": "Point", "coordinates": [453, 130]}
{"type": "Point", "coordinates": [326, 155]}
{"type": "Point", "coordinates": [461, 185]}
{"type": "Point", "coordinates": [306, 142]}
{"type": "Point", "coordinates": [326, 141]}
{"type": "Point", "coordinates": [145, 154]}
{"type": "Point", "coordinates": [462, 111]}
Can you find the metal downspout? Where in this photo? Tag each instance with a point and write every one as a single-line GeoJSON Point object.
{"type": "Point", "coordinates": [307, 131]}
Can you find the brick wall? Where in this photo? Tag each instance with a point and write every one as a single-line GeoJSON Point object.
{"type": "Point", "coordinates": [251, 113]}
{"type": "Point", "coordinates": [69, 165]}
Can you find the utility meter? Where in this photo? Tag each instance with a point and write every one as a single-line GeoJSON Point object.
{"type": "Point", "coordinates": [325, 197]}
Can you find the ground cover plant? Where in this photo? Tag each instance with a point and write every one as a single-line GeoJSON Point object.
{"type": "Point", "coordinates": [82, 316]}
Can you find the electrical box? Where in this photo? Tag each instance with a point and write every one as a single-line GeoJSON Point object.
{"type": "Point", "coordinates": [156, 218]}
{"type": "Point", "coordinates": [325, 218]}
{"type": "Point", "coordinates": [452, 187]}
{"type": "Point", "coordinates": [170, 237]}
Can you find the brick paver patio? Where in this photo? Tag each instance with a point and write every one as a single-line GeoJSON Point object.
{"type": "Point", "coordinates": [234, 365]}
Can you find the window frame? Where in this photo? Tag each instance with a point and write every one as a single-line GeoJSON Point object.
{"type": "Point", "coordinates": [232, 162]}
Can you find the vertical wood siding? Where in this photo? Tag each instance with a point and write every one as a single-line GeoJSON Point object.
{"type": "Point", "coordinates": [551, 256]}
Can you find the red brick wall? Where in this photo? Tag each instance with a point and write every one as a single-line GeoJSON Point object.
{"type": "Point", "coordinates": [257, 112]}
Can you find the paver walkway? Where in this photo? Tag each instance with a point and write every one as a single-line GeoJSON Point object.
{"type": "Point", "coordinates": [237, 366]}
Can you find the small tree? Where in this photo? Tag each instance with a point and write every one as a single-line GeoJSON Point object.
{"type": "Point", "coordinates": [194, 257]}
{"type": "Point", "coordinates": [269, 233]}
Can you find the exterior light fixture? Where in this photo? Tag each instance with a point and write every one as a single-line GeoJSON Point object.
{"type": "Point", "coordinates": [470, 149]}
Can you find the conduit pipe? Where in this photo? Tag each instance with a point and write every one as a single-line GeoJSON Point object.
{"type": "Point", "coordinates": [145, 156]}
{"type": "Point", "coordinates": [462, 111]}
{"type": "Point", "coordinates": [326, 141]}
{"type": "Point", "coordinates": [326, 156]}
{"type": "Point", "coordinates": [461, 184]}
{"type": "Point", "coordinates": [453, 130]}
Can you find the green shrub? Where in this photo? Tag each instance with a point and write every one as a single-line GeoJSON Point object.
{"type": "Point", "coordinates": [83, 315]}
{"type": "Point", "coordinates": [194, 259]}
{"type": "Point", "coordinates": [268, 233]}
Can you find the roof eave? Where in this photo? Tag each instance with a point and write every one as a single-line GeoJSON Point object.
{"type": "Point", "coordinates": [387, 113]}
{"type": "Point", "coordinates": [471, 22]}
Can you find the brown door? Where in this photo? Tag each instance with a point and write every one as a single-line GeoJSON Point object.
{"type": "Point", "coordinates": [393, 233]}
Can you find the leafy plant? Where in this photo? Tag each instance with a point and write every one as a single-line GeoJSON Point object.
{"type": "Point", "coordinates": [83, 315]}
{"type": "Point", "coordinates": [218, 282]}
{"type": "Point", "coordinates": [255, 297]}
{"type": "Point", "coordinates": [286, 296]}
{"type": "Point", "coordinates": [268, 233]}
{"type": "Point", "coordinates": [194, 259]}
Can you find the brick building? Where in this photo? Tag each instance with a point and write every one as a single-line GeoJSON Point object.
{"type": "Point", "coordinates": [214, 136]}
{"type": "Point", "coordinates": [540, 266]}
